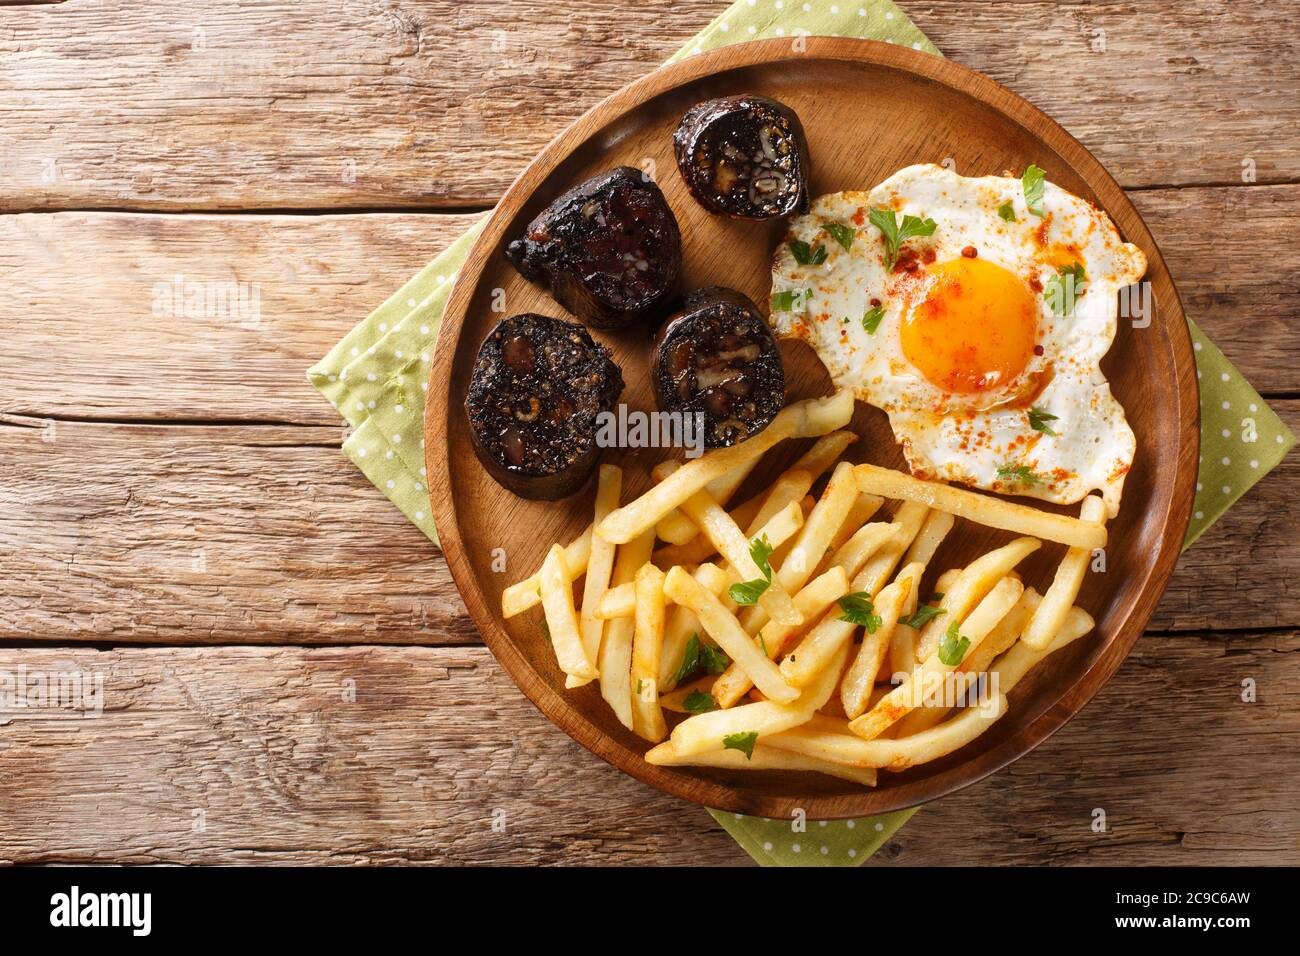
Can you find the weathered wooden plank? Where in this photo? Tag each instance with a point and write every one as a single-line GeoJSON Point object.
{"type": "Point", "coordinates": [442, 102]}
{"type": "Point", "coordinates": [267, 535]}
{"type": "Point", "coordinates": [82, 291]}
{"type": "Point", "coordinates": [200, 535]}
{"type": "Point", "coordinates": [409, 755]}
{"type": "Point", "coordinates": [92, 296]}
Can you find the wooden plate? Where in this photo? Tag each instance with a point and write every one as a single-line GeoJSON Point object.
{"type": "Point", "coordinates": [868, 109]}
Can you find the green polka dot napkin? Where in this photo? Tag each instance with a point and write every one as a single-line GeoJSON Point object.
{"type": "Point", "coordinates": [376, 377]}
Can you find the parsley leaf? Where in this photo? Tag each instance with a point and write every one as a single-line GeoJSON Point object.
{"type": "Point", "coordinates": [1038, 419]}
{"type": "Point", "coordinates": [698, 702]}
{"type": "Point", "coordinates": [1064, 288]}
{"type": "Point", "coordinates": [763, 644]}
{"type": "Point", "coordinates": [886, 220]}
{"type": "Point", "coordinates": [806, 256]}
{"type": "Point", "coordinates": [742, 742]}
{"type": "Point", "coordinates": [1032, 183]}
{"type": "Point", "coordinates": [858, 609]}
{"type": "Point", "coordinates": [923, 616]}
{"type": "Point", "coordinates": [841, 234]}
{"type": "Point", "coordinates": [954, 646]}
{"type": "Point", "coordinates": [748, 592]}
{"type": "Point", "coordinates": [1007, 212]}
{"type": "Point", "coordinates": [714, 659]}
{"type": "Point", "coordinates": [690, 659]}
{"type": "Point", "coordinates": [1020, 473]}
{"type": "Point", "coordinates": [790, 300]}
{"type": "Point", "coordinates": [871, 319]}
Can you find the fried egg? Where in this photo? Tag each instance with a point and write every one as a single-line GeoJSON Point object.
{"type": "Point", "coordinates": [975, 322]}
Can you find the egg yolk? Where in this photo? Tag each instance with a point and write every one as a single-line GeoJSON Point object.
{"type": "Point", "coordinates": [974, 329]}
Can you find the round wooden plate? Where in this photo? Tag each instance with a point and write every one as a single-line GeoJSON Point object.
{"type": "Point", "coordinates": [868, 109]}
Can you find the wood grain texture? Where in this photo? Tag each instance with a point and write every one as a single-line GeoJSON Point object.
{"type": "Point", "coordinates": [933, 108]}
{"type": "Point", "coordinates": [284, 769]}
{"type": "Point", "coordinates": [278, 104]}
{"type": "Point", "coordinates": [243, 534]}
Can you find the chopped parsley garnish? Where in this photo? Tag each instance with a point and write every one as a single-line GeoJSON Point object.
{"type": "Point", "coordinates": [1064, 288]}
{"type": "Point", "coordinates": [742, 742]}
{"type": "Point", "coordinates": [714, 659]}
{"type": "Point", "coordinates": [690, 659]}
{"type": "Point", "coordinates": [871, 319]}
{"type": "Point", "coordinates": [1038, 419]}
{"type": "Point", "coordinates": [763, 644]}
{"type": "Point", "coordinates": [841, 234]}
{"type": "Point", "coordinates": [1032, 182]}
{"type": "Point", "coordinates": [1007, 212]}
{"type": "Point", "coordinates": [546, 629]}
{"type": "Point", "coordinates": [858, 609]}
{"type": "Point", "coordinates": [698, 702]}
{"type": "Point", "coordinates": [886, 220]}
{"type": "Point", "coordinates": [954, 646]}
{"type": "Point", "coordinates": [805, 255]}
{"type": "Point", "coordinates": [748, 592]}
{"type": "Point", "coordinates": [1020, 473]}
{"type": "Point", "coordinates": [923, 616]}
{"type": "Point", "coordinates": [789, 300]}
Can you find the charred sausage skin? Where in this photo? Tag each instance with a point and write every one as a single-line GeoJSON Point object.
{"type": "Point", "coordinates": [535, 391]}
{"type": "Point", "coordinates": [745, 157]}
{"type": "Point", "coordinates": [609, 249]}
{"type": "Point", "coordinates": [717, 356]}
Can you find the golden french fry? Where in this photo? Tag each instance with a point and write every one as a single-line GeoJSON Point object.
{"type": "Point", "coordinates": [682, 623]}
{"type": "Point", "coordinates": [675, 527]}
{"type": "Point", "coordinates": [528, 593]}
{"type": "Point", "coordinates": [852, 751]}
{"type": "Point", "coordinates": [732, 544]}
{"type": "Point", "coordinates": [825, 519]}
{"type": "Point", "coordinates": [990, 512]}
{"type": "Point", "coordinates": [600, 564]}
{"type": "Point", "coordinates": [722, 626]}
{"type": "Point", "coordinates": [1065, 585]}
{"type": "Point", "coordinates": [615, 661]}
{"type": "Point", "coordinates": [617, 601]}
{"type": "Point", "coordinates": [647, 641]}
{"type": "Point", "coordinates": [854, 553]}
{"type": "Point", "coordinates": [763, 758]}
{"type": "Point", "coordinates": [1012, 666]}
{"type": "Point", "coordinates": [978, 578]}
{"type": "Point", "coordinates": [791, 485]}
{"type": "Point", "coordinates": [913, 692]}
{"type": "Point", "coordinates": [706, 731]}
{"type": "Point", "coordinates": [863, 510]}
{"type": "Point", "coordinates": [817, 595]}
{"type": "Point", "coordinates": [910, 517]}
{"type": "Point", "coordinates": [801, 419]}
{"type": "Point", "coordinates": [933, 531]}
{"type": "Point", "coordinates": [561, 618]}
{"type": "Point", "coordinates": [860, 679]}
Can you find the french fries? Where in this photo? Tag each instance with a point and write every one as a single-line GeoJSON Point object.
{"type": "Point", "coordinates": [726, 631]}
{"type": "Point", "coordinates": [991, 512]}
{"type": "Point", "coordinates": [912, 692]}
{"type": "Point", "coordinates": [600, 565]}
{"type": "Point", "coordinates": [528, 593]}
{"type": "Point", "coordinates": [1058, 600]}
{"type": "Point", "coordinates": [773, 592]}
{"type": "Point", "coordinates": [647, 641]}
{"type": "Point", "coordinates": [816, 596]}
{"type": "Point", "coordinates": [805, 419]}
{"type": "Point", "coordinates": [615, 661]}
{"type": "Point", "coordinates": [561, 618]}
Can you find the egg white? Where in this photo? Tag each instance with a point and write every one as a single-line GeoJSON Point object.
{"type": "Point", "coordinates": [969, 437]}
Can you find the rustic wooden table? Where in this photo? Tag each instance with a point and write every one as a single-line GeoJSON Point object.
{"type": "Point", "coordinates": [289, 675]}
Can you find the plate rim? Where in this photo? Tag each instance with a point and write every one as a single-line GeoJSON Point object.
{"type": "Point", "coordinates": [1152, 581]}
